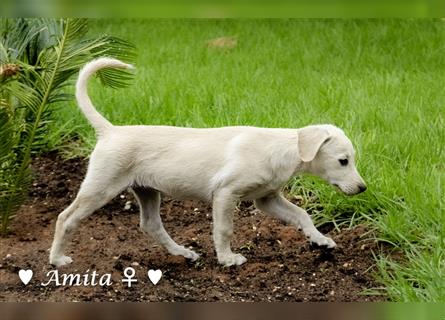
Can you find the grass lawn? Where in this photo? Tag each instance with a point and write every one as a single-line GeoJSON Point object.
{"type": "Point", "coordinates": [382, 81]}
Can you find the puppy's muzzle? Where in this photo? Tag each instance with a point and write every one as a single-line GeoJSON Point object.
{"type": "Point", "coordinates": [362, 188]}
{"type": "Point", "coordinates": [350, 191]}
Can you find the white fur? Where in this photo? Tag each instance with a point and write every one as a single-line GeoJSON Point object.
{"type": "Point", "coordinates": [219, 165]}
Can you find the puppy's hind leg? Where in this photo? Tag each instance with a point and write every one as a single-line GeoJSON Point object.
{"type": "Point", "coordinates": [93, 194]}
{"type": "Point", "coordinates": [149, 202]}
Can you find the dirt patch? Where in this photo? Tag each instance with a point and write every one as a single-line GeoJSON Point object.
{"type": "Point", "coordinates": [223, 43]}
{"type": "Point", "coordinates": [281, 265]}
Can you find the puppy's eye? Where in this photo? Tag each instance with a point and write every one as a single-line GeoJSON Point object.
{"type": "Point", "coordinates": [343, 162]}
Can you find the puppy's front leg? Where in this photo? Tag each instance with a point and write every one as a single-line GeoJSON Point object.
{"type": "Point", "coordinates": [278, 206]}
{"type": "Point", "coordinates": [224, 203]}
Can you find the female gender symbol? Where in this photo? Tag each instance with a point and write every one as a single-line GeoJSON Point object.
{"type": "Point", "coordinates": [129, 274]}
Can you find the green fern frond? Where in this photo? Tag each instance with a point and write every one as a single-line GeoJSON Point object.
{"type": "Point", "coordinates": [15, 47]}
{"type": "Point", "coordinates": [6, 132]}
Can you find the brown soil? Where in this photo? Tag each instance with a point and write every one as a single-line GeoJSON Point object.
{"type": "Point", "coordinates": [281, 265]}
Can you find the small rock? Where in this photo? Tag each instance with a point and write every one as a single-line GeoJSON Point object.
{"type": "Point", "coordinates": [98, 236]}
{"type": "Point", "coordinates": [28, 237]}
{"type": "Point", "coordinates": [135, 264]}
{"type": "Point", "coordinates": [8, 256]}
{"type": "Point", "coordinates": [122, 237]}
{"type": "Point", "coordinates": [127, 205]}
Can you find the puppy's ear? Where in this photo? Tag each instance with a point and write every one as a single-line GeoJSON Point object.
{"type": "Point", "coordinates": [310, 139]}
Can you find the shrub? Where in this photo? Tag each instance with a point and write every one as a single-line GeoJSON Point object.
{"type": "Point", "coordinates": [37, 59]}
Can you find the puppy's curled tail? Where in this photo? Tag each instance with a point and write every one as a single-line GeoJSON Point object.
{"type": "Point", "coordinates": [99, 123]}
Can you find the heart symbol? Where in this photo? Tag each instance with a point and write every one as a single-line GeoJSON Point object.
{"type": "Point", "coordinates": [25, 276]}
{"type": "Point", "coordinates": [154, 276]}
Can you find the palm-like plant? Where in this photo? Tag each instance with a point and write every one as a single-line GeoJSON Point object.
{"type": "Point", "coordinates": [37, 58]}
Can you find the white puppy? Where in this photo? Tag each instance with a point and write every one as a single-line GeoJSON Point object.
{"type": "Point", "coordinates": [221, 165]}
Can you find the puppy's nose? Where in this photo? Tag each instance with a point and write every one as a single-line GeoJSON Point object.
{"type": "Point", "coordinates": [362, 188]}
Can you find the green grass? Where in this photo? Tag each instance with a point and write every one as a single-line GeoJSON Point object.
{"type": "Point", "coordinates": [382, 81]}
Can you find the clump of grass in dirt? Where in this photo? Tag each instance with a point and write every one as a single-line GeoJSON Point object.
{"type": "Point", "coordinates": [382, 81]}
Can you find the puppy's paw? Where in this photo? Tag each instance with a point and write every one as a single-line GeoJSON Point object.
{"type": "Point", "coordinates": [323, 241]}
{"type": "Point", "coordinates": [60, 261]}
{"type": "Point", "coordinates": [186, 253]}
{"type": "Point", "coordinates": [190, 254]}
{"type": "Point", "coordinates": [232, 259]}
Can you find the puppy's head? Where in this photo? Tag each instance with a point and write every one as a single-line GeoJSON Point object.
{"type": "Point", "coordinates": [329, 154]}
